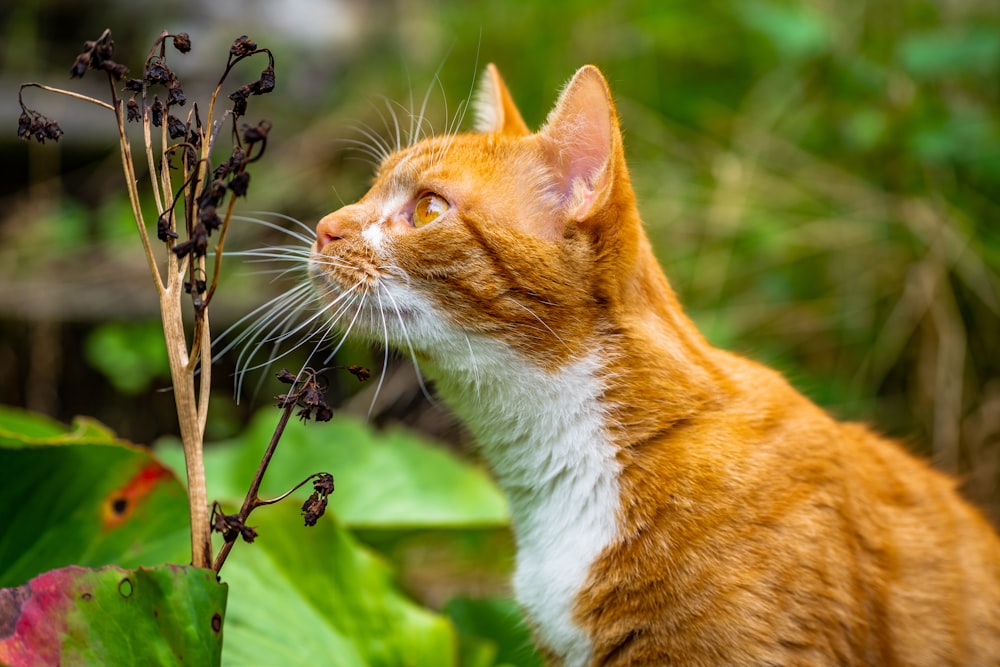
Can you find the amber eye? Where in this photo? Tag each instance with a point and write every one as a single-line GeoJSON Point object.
{"type": "Point", "coordinates": [428, 209]}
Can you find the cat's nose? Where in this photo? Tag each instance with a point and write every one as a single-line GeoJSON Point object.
{"type": "Point", "coordinates": [331, 228]}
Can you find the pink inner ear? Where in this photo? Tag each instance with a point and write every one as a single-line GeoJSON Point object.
{"type": "Point", "coordinates": [580, 132]}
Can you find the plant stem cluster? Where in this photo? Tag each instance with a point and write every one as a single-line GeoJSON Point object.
{"type": "Point", "coordinates": [194, 199]}
{"type": "Point", "coordinates": [308, 393]}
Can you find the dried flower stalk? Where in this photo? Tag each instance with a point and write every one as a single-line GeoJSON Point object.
{"type": "Point", "coordinates": [192, 208]}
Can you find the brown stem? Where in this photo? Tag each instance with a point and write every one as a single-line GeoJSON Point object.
{"type": "Point", "coordinates": [188, 418]}
{"type": "Point", "coordinates": [252, 499]}
{"type": "Point", "coordinates": [218, 251]}
{"type": "Point", "coordinates": [68, 93]}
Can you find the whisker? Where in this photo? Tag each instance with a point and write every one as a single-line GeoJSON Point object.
{"type": "Point", "coordinates": [427, 95]}
{"type": "Point", "coordinates": [409, 343]}
{"type": "Point", "coordinates": [275, 304]}
{"type": "Point", "coordinates": [395, 130]}
{"type": "Point", "coordinates": [475, 366]}
{"type": "Point", "coordinates": [369, 155]}
{"type": "Point", "coordinates": [542, 322]}
{"type": "Point", "coordinates": [377, 145]}
{"type": "Point", "coordinates": [385, 355]}
{"type": "Point", "coordinates": [306, 236]}
{"type": "Point", "coordinates": [289, 328]}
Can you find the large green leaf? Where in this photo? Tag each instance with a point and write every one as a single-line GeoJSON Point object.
{"type": "Point", "coordinates": [169, 615]}
{"type": "Point", "coordinates": [384, 479]}
{"type": "Point", "coordinates": [307, 596]}
{"type": "Point", "coordinates": [79, 496]}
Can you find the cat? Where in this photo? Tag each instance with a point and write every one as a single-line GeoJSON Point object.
{"type": "Point", "coordinates": [672, 503]}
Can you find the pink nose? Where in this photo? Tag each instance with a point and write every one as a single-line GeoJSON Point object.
{"type": "Point", "coordinates": [331, 228]}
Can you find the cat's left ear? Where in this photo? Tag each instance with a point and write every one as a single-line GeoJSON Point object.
{"type": "Point", "coordinates": [581, 139]}
{"type": "Point", "coordinates": [495, 108]}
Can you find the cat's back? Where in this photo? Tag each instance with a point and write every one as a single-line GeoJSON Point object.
{"type": "Point", "coordinates": [765, 532]}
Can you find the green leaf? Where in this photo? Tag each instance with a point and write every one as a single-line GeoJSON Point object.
{"type": "Point", "coordinates": [299, 593]}
{"type": "Point", "coordinates": [77, 495]}
{"type": "Point", "coordinates": [795, 31]}
{"type": "Point", "coordinates": [130, 354]}
{"type": "Point", "coordinates": [948, 52]}
{"type": "Point", "coordinates": [390, 479]}
{"type": "Point", "coordinates": [77, 616]}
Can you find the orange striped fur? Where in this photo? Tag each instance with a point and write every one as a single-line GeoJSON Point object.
{"type": "Point", "coordinates": [673, 504]}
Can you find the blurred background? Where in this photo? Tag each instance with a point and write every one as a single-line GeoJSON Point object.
{"type": "Point", "coordinates": [821, 181]}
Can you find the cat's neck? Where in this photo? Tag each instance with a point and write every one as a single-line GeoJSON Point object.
{"type": "Point", "coordinates": [545, 437]}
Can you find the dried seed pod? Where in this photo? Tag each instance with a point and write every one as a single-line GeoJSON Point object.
{"type": "Point", "coordinates": [255, 133]}
{"type": "Point", "coordinates": [242, 46]}
{"type": "Point", "coordinates": [156, 112]}
{"type": "Point", "coordinates": [239, 98]}
{"type": "Point", "coordinates": [157, 72]}
{"type": "Point", "coordinates": [52, 130]}
{"type": "Point", "coordinates": [323, 483]}
{"type": "Point", "coordinates": [209, 218]}
{"type": "Point", "coordinates": [132, 113]}
{"type": "Point", "coordinates": [239, 184]}
{"type": "Point", "coordinates": [25, 126]}
{"type": "Point", "coordinates": [265, 84]}
{"type": "Point", "coordinates": [285, 376]}
{"type": "Point", "coordinates": [175, 94]}
{"type": "Point", "coordinates": [164, 226]}
{"type": "Point", "coordinates": [359, 372]}
{"type": "Point", "coordinates": [176, 128]}
{"type": "Point", "coordinates": [182, 42]}
{"type": "Point", "coordinates": [118, 71]}
{"type": "Point", "coordinates": [313, 508]}
{"type": "Point", "coordinates": [80, 66]}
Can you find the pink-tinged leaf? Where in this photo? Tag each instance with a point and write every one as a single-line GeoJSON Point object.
{"type": "Point", "coordinates": [112, 616]}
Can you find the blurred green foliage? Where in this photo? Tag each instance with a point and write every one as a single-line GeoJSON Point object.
{"type": "Point", "coordinates": [130, 354]}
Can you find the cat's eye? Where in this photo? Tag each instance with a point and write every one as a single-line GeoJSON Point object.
{"type": "Point", "coordinates": [429, 208]}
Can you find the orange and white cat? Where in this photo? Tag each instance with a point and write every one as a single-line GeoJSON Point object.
{"type": "Point", "coordinates": [673, 504]}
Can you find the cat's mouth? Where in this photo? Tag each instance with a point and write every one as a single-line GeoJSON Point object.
{"type": "Point", "coordinates": [361, 298]}
{"type": "Point", "coordinates": [343, 271]}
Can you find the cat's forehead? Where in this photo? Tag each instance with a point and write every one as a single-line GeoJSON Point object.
{"type": "Point", "coordinates": [455, 154]}
{"type": "Point", "coordinates": [414, 159]}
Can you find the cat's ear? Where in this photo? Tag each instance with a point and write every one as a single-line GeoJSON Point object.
{"type": "Point", "coordinates": [494, 107]}
{"type": "Point", "coordinates": [580, 139]}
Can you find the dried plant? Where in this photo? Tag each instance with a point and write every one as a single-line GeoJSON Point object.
{"type": "Point", "coordinates": [194, 194]}
{"type": "Point", "coordinates": [308, 393]}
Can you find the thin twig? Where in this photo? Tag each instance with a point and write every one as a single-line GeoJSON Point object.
{"type": "Point", "coordinates": [252, 497]}
{"type": "Point", "coordinates": [69, 93]}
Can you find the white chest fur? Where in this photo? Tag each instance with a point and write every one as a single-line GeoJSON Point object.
{"type": "Point", "coordinates": [544, 436]}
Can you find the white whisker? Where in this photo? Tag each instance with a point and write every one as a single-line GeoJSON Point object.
{"type": "Point", "coordinates": [542, 322]}
{"type": "Point", "coordinates": [409, 344]}
{"type": "Point", "coordinates": [475, 366]}
{"type": "Point", "coordinates": [307, 236]}
{"type": "Point", "coordinates": [309, 231]}
{"type": "Point", "coordinates": [385, 355]}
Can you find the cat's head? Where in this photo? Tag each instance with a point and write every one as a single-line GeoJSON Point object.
{"type": "Point", "coordinates": [524, 239]}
